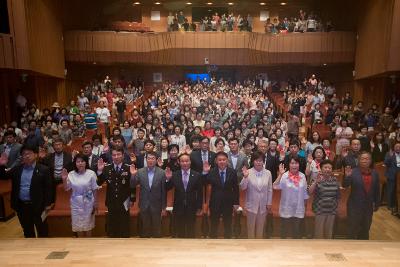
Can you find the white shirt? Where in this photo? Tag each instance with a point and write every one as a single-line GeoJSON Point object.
{"type": "Point", "coordinates": [103, 114]}
{"type": "Point", "coordinates": [292, 197]}
{"type": "Point", "coordinates": [179, 140]}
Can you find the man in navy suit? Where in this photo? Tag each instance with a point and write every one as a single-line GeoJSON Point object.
{"type": "Point", "coordinates": [364, 196]}
{"type": "Point", "coordinates": [392, 162]}
{"type": "Point", "coordinates": [188, 196]}
{"type": "Point", "coordinates": [32, 191]}
{"type": "Point", "coordinates": [224, 197]}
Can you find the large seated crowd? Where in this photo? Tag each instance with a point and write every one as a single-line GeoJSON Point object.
{"type": "Point", "coordinates": [300, 162]}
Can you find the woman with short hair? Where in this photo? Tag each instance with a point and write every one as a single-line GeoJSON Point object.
{"type": "Point", "coordinates": [257, 182]}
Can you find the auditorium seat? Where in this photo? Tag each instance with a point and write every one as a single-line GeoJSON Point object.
{"type": "Point", "coordinates": [5, 200]}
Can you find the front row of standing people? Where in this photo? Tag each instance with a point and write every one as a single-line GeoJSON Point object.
{"type": "Point", "coordinates": [32, 195]}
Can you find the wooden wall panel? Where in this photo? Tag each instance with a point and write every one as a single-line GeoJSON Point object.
{"type": "Point", "coordinates": [394, 48]}
{"type": "Point", "coordinates": [374, 38]}
{"type": "Point", "coordinates": [44, 30]}
{"type": "Point", "coordinates": [6, 51]}
{"type": "Point", "coordinates": [232, 48]}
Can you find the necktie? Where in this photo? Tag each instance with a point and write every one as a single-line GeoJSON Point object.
{"type": "Point", "coordinates": [117, 168]}
{"type": "Point", "coordinates": [222, 178]}
{"type": "Point", "coordinates": [205, 158]}
{"type": "Point", "coordinates": [185, 180]}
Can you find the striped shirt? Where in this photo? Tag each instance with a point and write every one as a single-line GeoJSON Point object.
{"type": "Point", "coordinates": [326, 196]}
{"type": "Point", "coordinates": [90, 121]}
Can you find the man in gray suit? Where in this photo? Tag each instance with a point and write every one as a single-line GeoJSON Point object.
{"type": "Point", "coordinates": [236, 160]}
{"type": "Point", "coordinates": [153, 198]}
{"type": "Point", "coordinates": [11, 149]}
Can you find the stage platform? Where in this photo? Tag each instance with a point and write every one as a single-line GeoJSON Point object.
{"type": "Point", "coordinates": [196, 252]}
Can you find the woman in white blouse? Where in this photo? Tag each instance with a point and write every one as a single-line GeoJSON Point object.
{"type": "Point", "coordinates": [258, 185]}
{"type": "Point", "coordinates": [292, 207]}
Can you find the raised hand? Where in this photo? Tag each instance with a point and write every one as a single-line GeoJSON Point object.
{"type": "Point", "coordinates": [206, 167]}
{"type": "Point", "coordinates": [319, 177]}
{"type": "Point", "coordinates": [282, 169]}
{"type": "Point", "coordinates": [372, 144]}
{"type": "Point", "coordinates": [64, 174]}
{"type": "Point", "coordinates": [309, 158]}
{"type": "Point", "coordinates": [133, 170]}
{"type": "Point", "coordinates": [74, 153]}
{"type": "Point", "coordinates": [3, 159]}
{"type": "Point", "coordinates": [168, 173]}
{"type": "Point", "coordinates": [245, 172]}
{"type": "Point", "coordinates": [345, 152]}
{"type": "Point", "coordinates": [100, 165]}
{"type": "Point", "coordinates": [187, 149]}
{"type": "Point", "coordinates": [348, 171]}
{"type": "Point", "coordinates": [160, 162]}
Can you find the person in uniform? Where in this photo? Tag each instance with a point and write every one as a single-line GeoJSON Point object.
{"type": "Point", "coordinates": [120, 192]}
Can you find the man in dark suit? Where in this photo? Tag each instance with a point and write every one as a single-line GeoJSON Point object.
{"type": "Point", "coordinates": [153, 197]}
{"type": "Point", "coordinates": [188, 196]}
{"type": "Point", "coordinates": [56, 162]}
{"type": "Point", "coordinates": [12, 149]}
{"type": "Point", "coordinates": [87, 148]}
{"type": "Point", "coordinates": [120, 192]}
{"type": "Point", "coordinates": [364, 197]}
{"type": "Point", "coordinates": [224, 197]}
{"type": "Point", "coordinates": [31, 194]}
{"type": "Point", "coordinates": [236, 160]}
{"type": "Point", "coordinates": [199, 157]}
{"type": "Point", "coordinates": [392, 162]}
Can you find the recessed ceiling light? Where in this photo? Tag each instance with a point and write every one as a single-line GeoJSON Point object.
{"type": "Point", "coordinates": [136, 3]}
{"type": "Point", "coordinates": [325, 64]}
{"type": "Point", "coordinates": [230, 3]}
{"type": "Point", "coordinates": [209, 3]}
{"type": "Point", "coordinates": [188, 3]}
{"type": "Point", "coordinates": [262, 4]}
{"type": "Point", "coordinates": [157, 3]}
{"type": "Point", "coordinates": [283, 4]}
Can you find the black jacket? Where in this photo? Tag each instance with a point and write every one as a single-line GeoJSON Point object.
{"type": "Point", "coordinates": [41, 190]}
{"type": "Point", "coordinates": [197, 162]}
{"type": "Point", "coordinates": [49, 162]}
{"type": "Point", "coordinates": [223, 197]}
{"type": "Point", "coordinates": [192, 198]}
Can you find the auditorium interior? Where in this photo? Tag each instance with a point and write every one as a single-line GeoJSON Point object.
{"type": "Point", "coordinates": [322, 77]}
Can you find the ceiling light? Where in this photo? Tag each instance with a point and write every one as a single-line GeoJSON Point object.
{"type": "Point", "coordinates": [188, 3]}
{"type": "Point", "coordinates": [209, 3]}
{"type": "Point", "coordinates": [230, 3]}
{"type": "Point", "coordinates": [157, 3]}
{"type": "Point", "coordinates": [136, 3]}
{"type": "Point", "coordinates": [262, 4]}
{"type": "Point", "coordinates": [283, 4]}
